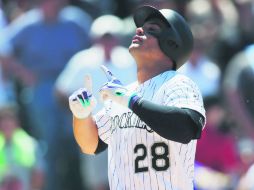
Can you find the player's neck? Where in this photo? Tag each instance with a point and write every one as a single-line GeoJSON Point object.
{"type": "Point", "coordinates": [146, 73]}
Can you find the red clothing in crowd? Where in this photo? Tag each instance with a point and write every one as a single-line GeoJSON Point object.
{"type": "Point", "coordinates": [217, 150]}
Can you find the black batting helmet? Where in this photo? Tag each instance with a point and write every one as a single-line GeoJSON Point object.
{"type": "Point", "coordinates": [176, 41]}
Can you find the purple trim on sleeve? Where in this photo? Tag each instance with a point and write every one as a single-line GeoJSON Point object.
{"type": "Point", "coordinates": [134, 98]}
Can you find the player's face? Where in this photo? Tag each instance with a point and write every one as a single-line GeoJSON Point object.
{"type": "Point", "coordinates": [145, 43]}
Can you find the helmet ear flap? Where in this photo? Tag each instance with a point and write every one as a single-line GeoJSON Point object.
{"type": "Point", "coordinates": [172, 44]}
{"type": "Point", "coordinates": [170, 39]}
{"type": "Point", "coordinates": [168, 45]}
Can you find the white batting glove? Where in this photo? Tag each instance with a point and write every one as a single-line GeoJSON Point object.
{"type": "Point", "coordinates": [82, 102]}
{"type": "Point", "coordinates": [114, 89]}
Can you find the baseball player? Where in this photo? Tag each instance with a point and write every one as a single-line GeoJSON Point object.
{"type": "Point", "coordinates": [150, 127]}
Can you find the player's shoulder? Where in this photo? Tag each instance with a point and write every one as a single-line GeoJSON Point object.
{"type": "Point", "coordinates": [180, 78]}
{"type": "Point", "coordinates": [180, 82]}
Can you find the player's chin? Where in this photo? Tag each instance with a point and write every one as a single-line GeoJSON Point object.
{"type": "Point", "coordinates": [133, 47]}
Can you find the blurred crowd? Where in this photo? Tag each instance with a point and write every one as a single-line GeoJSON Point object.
{"type": "Point", "coordinates": [47, 47]}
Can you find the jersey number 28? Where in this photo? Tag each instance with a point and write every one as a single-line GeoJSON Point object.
{"type": "Point", "coordinates": [163, 156]}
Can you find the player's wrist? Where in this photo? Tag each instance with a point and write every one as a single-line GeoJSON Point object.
{"type": "Point", "coordinates": [82, 116]}
{"type": "Point", "coordinates": [134, 98]}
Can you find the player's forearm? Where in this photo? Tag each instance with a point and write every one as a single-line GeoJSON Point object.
{"type": "Point", "coordinates": [86, 134]}
{"type": "Point", "coordinates": [180, 125]}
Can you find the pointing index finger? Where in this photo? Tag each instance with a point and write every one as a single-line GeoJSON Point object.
{"type": "Point", "coordinates": [107, 72]}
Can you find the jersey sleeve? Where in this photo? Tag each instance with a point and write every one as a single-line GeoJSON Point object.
{"type": "Point", "coordinates": [103, 122]}
{"type": "Point", "coordinates": [183, 93]}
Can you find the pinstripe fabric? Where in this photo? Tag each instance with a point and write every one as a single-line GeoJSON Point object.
{"type": "Point", "coordinates": [138, 157]}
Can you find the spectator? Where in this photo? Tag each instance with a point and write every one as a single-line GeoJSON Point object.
{"type": "Point", "coordinates": [3, 20]}
{"type": "Point", "coordinates": [35, 49]}
{"type": "Point", "coordinates": [200, 68]}
{"type": "Point", "coordinates": [237, 30]}
{"type": "Point", "coordinates": [15, 8]}
{"type": "Point", "coordinates": [207, 178]}
{"type": "Point", "coordinates": [246, 150]}
{"type": "Point", "coordinates": [246, 182]}
{"type": "Point", "coordinates": [6, 91]}
{"type": "Point", "coordinates": [237, 83]}
{"type": "Point", "coordinates": [77, 15]}
{"type": "Point", "coordinates": [218, 148]}
{"type": "Point", "coordinates": [106, 50]}
{"type": "Point", "coordinates": [20, 157]}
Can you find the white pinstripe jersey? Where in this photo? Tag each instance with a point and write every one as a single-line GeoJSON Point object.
{"type": "Point", "coordinates": [139, 158]}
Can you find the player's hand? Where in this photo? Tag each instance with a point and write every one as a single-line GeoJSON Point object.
{"type": "Point", "coordinates": [114, 89]}
{"type": "Point", "coordinates": [82, 102]}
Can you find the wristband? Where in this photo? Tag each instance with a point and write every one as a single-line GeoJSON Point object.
{"type": "Point", "coordinates": [132, 100]}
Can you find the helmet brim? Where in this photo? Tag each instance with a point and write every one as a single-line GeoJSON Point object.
{"type": "Point", "coordinates": [141, 15]}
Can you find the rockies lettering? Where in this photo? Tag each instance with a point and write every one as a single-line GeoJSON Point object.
{"type": "Point", "coordinates": [128, 120]}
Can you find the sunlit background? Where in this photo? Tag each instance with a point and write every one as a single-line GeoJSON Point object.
{"type": "Point", "coordinates": [46, 48]}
